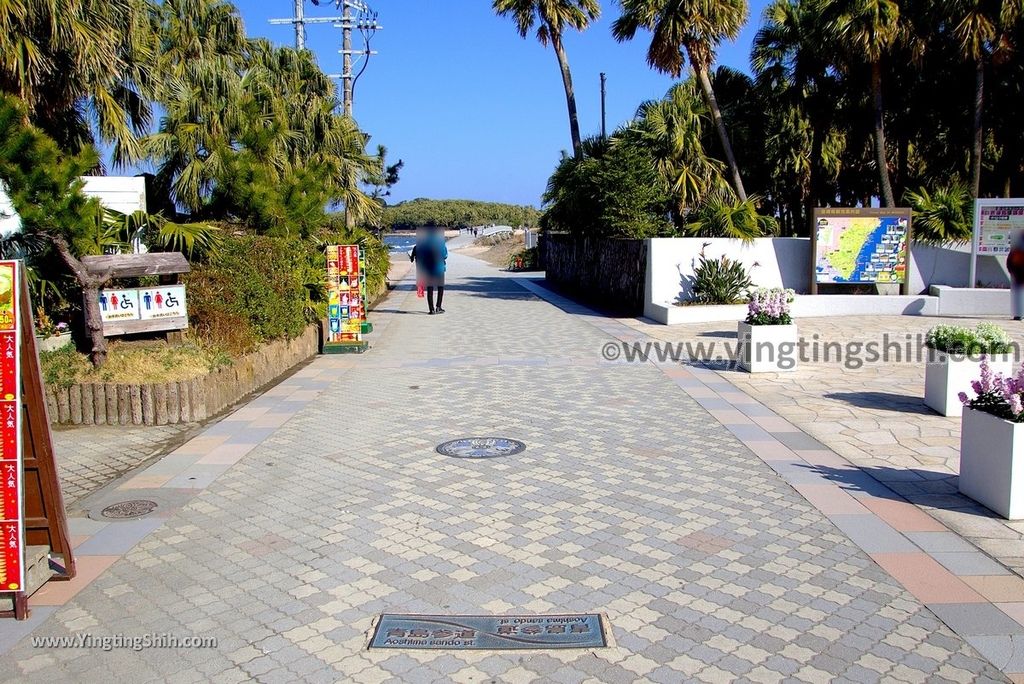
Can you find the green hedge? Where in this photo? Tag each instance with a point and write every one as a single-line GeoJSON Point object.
{"type": "Point", "coordinates": [255, 291]}
{"type": "Point", "coordinates": [262, 288]}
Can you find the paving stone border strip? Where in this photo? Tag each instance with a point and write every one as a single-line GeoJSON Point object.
{"type": "Point", "coordinates": [187, 401]}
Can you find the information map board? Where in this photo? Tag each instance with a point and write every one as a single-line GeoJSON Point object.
{"type": "Point", "coordinates": [346, 303]}
{"type": "Point", "coordinates": [996, 223]}
{"type": "Point", "coordinates": [861, 246]}
{"type": "Point", "coordinates": [12, 512]}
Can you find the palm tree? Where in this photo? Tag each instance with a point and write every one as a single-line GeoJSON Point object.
{"type": "Point", "coordinates": [980, 27]}
{"type": "Point", "coordinates": [673, 129]}
{"type": "Point", "coordinates": [553, 16]}
{"type": "Point", "coordinates": [794, 71]}
{"type": "Point", "coordinates": [202, 52]}
{"type": "Point", "coordinates": [722, 215]}
{"type": "Point", "coordinates": [865, 30]}
{"type": "Point", "coordinates": [82, 67]}
{"type": "Point", "coordinates": [693, 26]}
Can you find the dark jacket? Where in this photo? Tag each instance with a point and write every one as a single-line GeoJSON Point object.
{"type": "Point", "coordinates": [1015, 264]}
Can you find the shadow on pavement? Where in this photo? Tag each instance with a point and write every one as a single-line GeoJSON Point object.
{"type": "Point", "coordinates": [883, 401]}
{"type": "Point", "coordinates": [918, 486]}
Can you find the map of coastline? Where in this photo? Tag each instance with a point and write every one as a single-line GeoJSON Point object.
{"type": "Point", "coordinates": [861, 249]}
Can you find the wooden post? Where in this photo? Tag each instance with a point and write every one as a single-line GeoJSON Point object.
{"type": "Point", "coordinates": [136, 392]}
{"type": "Point", "coordinates": [88, 405]}
{"type": "Point", "coordinates": [148, 407]}
{"type": "Point", "coordinates": [99, 398]}
{"type": "Point", "coordinates": [110, 393]}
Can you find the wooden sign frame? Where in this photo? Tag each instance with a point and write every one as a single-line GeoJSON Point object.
{"type": "Point", "coordinates": [45, 518]}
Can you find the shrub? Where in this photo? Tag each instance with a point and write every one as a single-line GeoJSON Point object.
{"type": "Point", "coordinates": [986, 338]}
{"type": "Point", "coordinates": [770, 306]}
{"type": "Point", "coordinates": [720, 281]}
{"type": "Point", "coordinates": [722, 215]}
{"type": "Point", "coordinates": [944, 215]}
{"type": "Point", "coordinates": [524, 260]}
{"type": "Point", "coordinates": [253, 292]}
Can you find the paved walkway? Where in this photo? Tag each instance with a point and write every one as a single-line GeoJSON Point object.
{"type": "Point", "coordinates": [90, 457]}
{"type": "Point", "coordinates": [284, 530]}
{"type": "Point", "coordinates": [873, 415]}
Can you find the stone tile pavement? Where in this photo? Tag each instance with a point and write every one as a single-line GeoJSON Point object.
{"type": "Point", "coordinates": [874, 415]}
{"type": "Point", "coordinates": [284, 530]}
{"type": "Point", "coordinates": [90, 457]}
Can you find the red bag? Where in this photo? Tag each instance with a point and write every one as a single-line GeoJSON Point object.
{"type": "Point", "coordinates": [420, 291]}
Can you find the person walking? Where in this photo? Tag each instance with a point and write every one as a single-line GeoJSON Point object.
{"type": "Point", "coordinates": [431, 255]}
{"type": "Point", "coordinates": [1015, 265]}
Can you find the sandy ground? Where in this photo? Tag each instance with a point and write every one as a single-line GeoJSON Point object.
{"type": "Point", "coordinates": [496, 255]}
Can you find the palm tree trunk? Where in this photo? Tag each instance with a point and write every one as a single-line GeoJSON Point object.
{"type": "Point", "coordinates": [814, 177]}
{"type": "Point", "coordinates": [570, 94]}
{"type": "Point", "coordinates": [979, 131]}
{"type": "Point", "coordinates": [723, 133]}
{"type": "Point", "coordinates": [880, 156]}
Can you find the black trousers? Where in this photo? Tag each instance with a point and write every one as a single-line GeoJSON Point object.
{"type": "Point", "coordinates": [430, 296]}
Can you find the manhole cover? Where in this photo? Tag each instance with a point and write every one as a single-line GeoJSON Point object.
{"type": "Point", "coordinates": [129, 509]}
{"type": "Point", "coordinates": [481, 447]}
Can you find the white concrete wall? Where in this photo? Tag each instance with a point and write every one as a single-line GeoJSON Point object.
{"type": "Point", "coordinates": [786, 262]}
{"type": "Point", "coordinates": [950, 265]}
{"type": "Point", "coordinates": [771, 262]}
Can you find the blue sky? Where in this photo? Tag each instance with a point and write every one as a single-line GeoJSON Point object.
{"type": "Point", "coordinates": [475, 111]}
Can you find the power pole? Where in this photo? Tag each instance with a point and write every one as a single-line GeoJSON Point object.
{"type": "Point", "coordinates": [346, 55]}
{"type": "Point", "coordinates": [604, 121]}
{"type": "Point", "coordinates": [356, 15]}
{"type": "Point", "coordinates": [298, 20]}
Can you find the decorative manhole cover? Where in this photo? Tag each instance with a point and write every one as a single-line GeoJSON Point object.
{"type": "Point", "coordinates": [129, 509]}
{"type": "Point", "coordinates": [481, 447]}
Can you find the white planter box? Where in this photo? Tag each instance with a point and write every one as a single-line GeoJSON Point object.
{"type": "Point", "coordinates": [949, 375]}
{"type": "Point", "coordinates": [992, 463]}
{"type": "Point", "coordinates": [768, 348]}
{"type": "Point", "coordinates": [53, 343]}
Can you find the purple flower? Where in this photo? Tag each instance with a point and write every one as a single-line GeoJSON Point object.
{"type": "Point", "coordinates": [1016, 405]}
{"type": "Point", "coordinates": [964, 399]}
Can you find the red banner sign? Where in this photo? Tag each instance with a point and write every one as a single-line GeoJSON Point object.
{"type": "Point", "coordinates": [12, 523]}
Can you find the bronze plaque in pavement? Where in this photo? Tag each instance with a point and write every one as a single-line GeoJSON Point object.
{"type": "Point", "coordinates": [489, 632]}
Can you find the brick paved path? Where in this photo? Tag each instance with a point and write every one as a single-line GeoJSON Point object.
{"type": "Point", "coordinates": [91, 457]}
{"type": "Point", "coordinates": [875, 417]}
{"type": "Point", "coordinates": [285, 529]}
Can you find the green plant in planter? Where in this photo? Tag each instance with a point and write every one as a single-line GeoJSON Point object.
{"type": "Point", "coordinates": [986, 338]}
{"type": "Point", "coordinates": [720, 281]}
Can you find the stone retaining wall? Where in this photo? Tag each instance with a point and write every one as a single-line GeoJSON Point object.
{"type": "Point", "coordinates": [608, 273]}
{"type": "Point", "coordinates": [179, 402]}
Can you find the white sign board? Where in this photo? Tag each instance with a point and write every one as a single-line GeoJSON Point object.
{"type": "Point", "coordinates": [162, 302]}
{"type": "Point", "coordinates": [996, 223]}
{"type": "Point", "coordinates": [119, 305]}
{"type": "Point", "coordinates": [123, 194]}
{"type": "Point", "coordinates": [143, 310]}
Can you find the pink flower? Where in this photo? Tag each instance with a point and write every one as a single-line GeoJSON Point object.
{"type": "Point", "coordinates": [1016, 405]}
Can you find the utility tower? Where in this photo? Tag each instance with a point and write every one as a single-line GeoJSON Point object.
{"type": "Point", "coordinates": [356, 16]}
